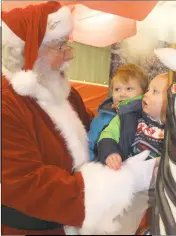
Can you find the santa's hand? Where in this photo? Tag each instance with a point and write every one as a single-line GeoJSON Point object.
{"type": "Point", "coordinates": [139, 157]}
{"type": "Point", "coordinates": [142, 170]}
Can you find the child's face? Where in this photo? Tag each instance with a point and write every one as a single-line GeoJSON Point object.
{"type": "Point", "coordinates": [126, 90]}
{"type": "Point", "coordinates": [155, 99]}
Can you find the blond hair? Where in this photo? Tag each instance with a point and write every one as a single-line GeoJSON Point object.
{"type": "Point", "coordinates": [131, 71]}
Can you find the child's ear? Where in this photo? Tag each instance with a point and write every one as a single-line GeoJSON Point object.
{"type": "Point", "coordinates": [167, 56]}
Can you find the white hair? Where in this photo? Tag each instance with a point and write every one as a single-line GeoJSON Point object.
{"type": "Point", "coordinates": [12, 58]}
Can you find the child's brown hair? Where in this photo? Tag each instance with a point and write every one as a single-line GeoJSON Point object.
{"type": "Point", "coordinates": [131, 71]}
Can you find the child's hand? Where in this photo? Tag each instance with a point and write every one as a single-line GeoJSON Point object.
{"type": "Point", "coordinates": [114, 161]}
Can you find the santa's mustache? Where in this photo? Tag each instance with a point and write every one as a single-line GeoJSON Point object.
{"type": "Point", "coordinates": [65, 66]}
{"type": "Point", "coordinates": [43, 67]}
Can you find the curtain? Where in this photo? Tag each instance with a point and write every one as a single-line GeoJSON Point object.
{"type": "Point", "coordinates": [90, 64]}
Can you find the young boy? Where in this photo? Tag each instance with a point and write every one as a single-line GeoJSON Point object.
{"type": "Point", "coordinates": [114, 146]}
{"type": "Point", "coordinates": [128, 85]}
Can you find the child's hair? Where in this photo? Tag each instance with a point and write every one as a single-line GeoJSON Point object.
{"type": "Point", "coordinates": [131, 71]}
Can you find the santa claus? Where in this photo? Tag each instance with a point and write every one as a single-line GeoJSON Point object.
{"type": "Point", "coordinates": [47, 181]}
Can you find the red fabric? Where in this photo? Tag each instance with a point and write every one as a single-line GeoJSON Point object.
{"type": "Point", "coordinates": [29, 24]}
{"type": "Point", "coordinates": [145, 222]}
{"type": "Point", "coordinates": [37, 177]}
{"type": "Point", "coordinates": [92, 95]}
{"type": "Point", "coordinates": [137, 10]}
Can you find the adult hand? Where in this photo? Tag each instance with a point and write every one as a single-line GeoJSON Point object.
{"type": "Point", "coordinates": [142, 171]}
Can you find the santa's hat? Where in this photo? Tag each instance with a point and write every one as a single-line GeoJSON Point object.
{"type": "Point", "coordinates": [29, 27]}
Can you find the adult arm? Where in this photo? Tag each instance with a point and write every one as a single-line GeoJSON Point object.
{"type": "Point", "coordinates": [46, 192]}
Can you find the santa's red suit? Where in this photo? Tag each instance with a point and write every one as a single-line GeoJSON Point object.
{"type": "Point", "coordinates": [31, 144]}
{"type": "Point", "coordinates": [46, 180]}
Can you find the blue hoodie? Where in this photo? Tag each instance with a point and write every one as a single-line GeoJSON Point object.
{"type": "Point", "coordinates": [106, 114]}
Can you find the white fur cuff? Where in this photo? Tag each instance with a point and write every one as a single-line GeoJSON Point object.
{"type": "Point", "coordinates": [107, 194]}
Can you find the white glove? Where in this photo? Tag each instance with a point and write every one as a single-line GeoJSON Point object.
{"type": "Point", "coordinates": [142, 171]}
{"type": "Point", "coordinates": [137, 158]}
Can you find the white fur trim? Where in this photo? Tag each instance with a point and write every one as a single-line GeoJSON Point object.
{"type": "Point", "coordinates": [107, 194]}
{"type": "Point", "coordinates": [24, 83]}
{"type": "Point", "coordinates": [68, 123]}
{"type": "Point", "coordinates": [167, 56]}
{"type": "Point", "coordinates": [59, 25]}
{"type": "Point", "coordinates": [10, 38]}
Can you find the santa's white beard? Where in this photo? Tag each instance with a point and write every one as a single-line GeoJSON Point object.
{"type": "Point", "coordinates": [55, 81]}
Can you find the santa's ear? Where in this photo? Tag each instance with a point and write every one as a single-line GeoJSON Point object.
{"type": "Point", "coordinates": [167, 56]}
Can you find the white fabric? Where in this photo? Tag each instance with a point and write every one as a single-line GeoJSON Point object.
{"type": "Point", "coordinates": [167, 56]}
{"type": "Point", "coordinates": [132, 218]}
{"type": "Point", "coordinates": [61, 23]}
{"type": "Point", "coordinates": [139, 169]}
{"type": "Point", "coordinates": [100, 29]}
